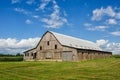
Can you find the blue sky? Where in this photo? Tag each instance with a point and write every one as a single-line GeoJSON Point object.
{"type": "Point", "coordinates": [23, 22]}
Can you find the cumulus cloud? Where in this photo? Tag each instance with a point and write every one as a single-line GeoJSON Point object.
{"type": "Point", "coordinates": [109, 46]}
{"type": "Point", "coordinates": [108, 16]}
{"type": "Point", "coordinates": [11, 45]}
{"type": "Point", "coordinates": [28, 21]}
{"type": "Point", "coordinates": [99, 13]}
{"type": "Point", "coordinates": [97, 28]}
{"type": "Point", "coordinates": [114, 47]}
{"type": "Point", "coordinates": [54, 20]}
{"type": "Point", "coordinates": [116, 33]}
{"type": "Point", "coordinates": [101, 42]}
{"type": "Point", "coordinates": [111, 21]}
{"type": "Point", "coordinates": [109, 12]}
{"type": "Point", "coordinates": [15, 1]}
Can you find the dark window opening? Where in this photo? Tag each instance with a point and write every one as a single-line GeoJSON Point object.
{"type": "Point", "coordinates": [40, 47]}
{"type": "Point", "coordinates": [34, 56]}
{"type": "Point", "coordinates": [82, 52]}
{"type": "Point", "coordinates": [55, 46]}
{"type": "Point", "coordinates": [48, 43]}
{"type": "Point", "coordinates": [25, 54]}
{"type": "Point", "coordinates": [31, 54]}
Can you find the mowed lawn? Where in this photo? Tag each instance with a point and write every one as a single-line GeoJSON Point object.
{"type": "Point", "coordinates": [99, 69]}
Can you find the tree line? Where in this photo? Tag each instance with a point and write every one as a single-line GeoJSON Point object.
{"type": "Point", "coordinates": [10, 55]}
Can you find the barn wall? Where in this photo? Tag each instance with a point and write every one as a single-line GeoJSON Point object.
{"type": "Point", "coordinates": [74, 52]}
{"type": "Point", "coordinates": [28, 56]}
{"type": "Point", "coordinates": [91, 54]}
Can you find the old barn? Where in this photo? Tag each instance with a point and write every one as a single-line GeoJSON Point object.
{"type": "Point", "coordinates": [58, 47]}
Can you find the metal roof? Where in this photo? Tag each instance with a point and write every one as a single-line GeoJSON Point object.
{"type": "Point", "coordinates": [75, 42]}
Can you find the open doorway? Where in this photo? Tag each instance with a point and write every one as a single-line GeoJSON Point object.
{"type": "Point", "coordinates": [34, 55]}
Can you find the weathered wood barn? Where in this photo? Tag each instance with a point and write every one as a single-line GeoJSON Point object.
{"type": "Point", "coordinates": [58, 47]}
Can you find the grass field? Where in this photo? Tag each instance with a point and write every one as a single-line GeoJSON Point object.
{"type": "Point", "coordinates": [99, 69]}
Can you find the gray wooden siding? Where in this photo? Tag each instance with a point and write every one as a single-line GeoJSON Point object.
{"type": "Point", "coordinates": [62, 53]}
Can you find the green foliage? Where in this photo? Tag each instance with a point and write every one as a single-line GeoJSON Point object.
{"type": "Point", "coordinates": [18, 54]}
{"type": "Point", "coordinates": [10, 55]}
{"type": "Point", "coordinates": [8, 59]}
{"type": "Point", "coordinates": [116, 56]}
{"type": "Point", "coordinates": [6, 55]}
{"type": "Point", "coordinates": [99, 69]}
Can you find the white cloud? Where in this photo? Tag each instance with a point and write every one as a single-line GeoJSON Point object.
{"type": "Point", "coordinates": [101, 42]}
{"type": "Point", "coordinates": [36, 16]}
{"type": "Point", "coordinates": [109, 14]}
{"type": "Point", "coordinates": [31, 42]}
{"type": "Point", "coordinates": [15, 1]}
{"type": "Point", "coordinates": [28, 21]}
{"type": "Point", "coordinates": [114, 47]}
{"type": "Point", "coordinates": [97, 28]}
{"type": "Point", "coordinates": [43, 4]}
{"type": "Point", "coordinates": [111, 21]}
{"type": "Point", "coordinates": [116, 33]}
{"type": "Point", "coordinates": [30, 2]}
{"type": "Point", "coordinates": [87, 24]}
{"type": "Point", "coordinates": [23, 11]}
{"type": "Point", "coordinates": [54, 20]}
{"type": "Point", "coordinates": [12, 45]}
{"type": "Point", "coordinates": [118, 15]}
{"type": "Point", "coordinates": [99, 13]}
{"type": "Point", "coordinates": [65, 14]}
{"type": "Point", "coordinates": [109, 46]}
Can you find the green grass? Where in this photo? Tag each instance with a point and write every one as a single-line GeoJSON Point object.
{"type": "Point", "coordinates": [99, 69]}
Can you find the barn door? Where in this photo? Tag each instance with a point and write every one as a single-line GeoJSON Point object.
{"type": "Point", "coordinates": [67, 56]}
{"type": "Point", "coordinates": [48, 55]}
{"type": "Point", "coordinates": [34, 55]}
